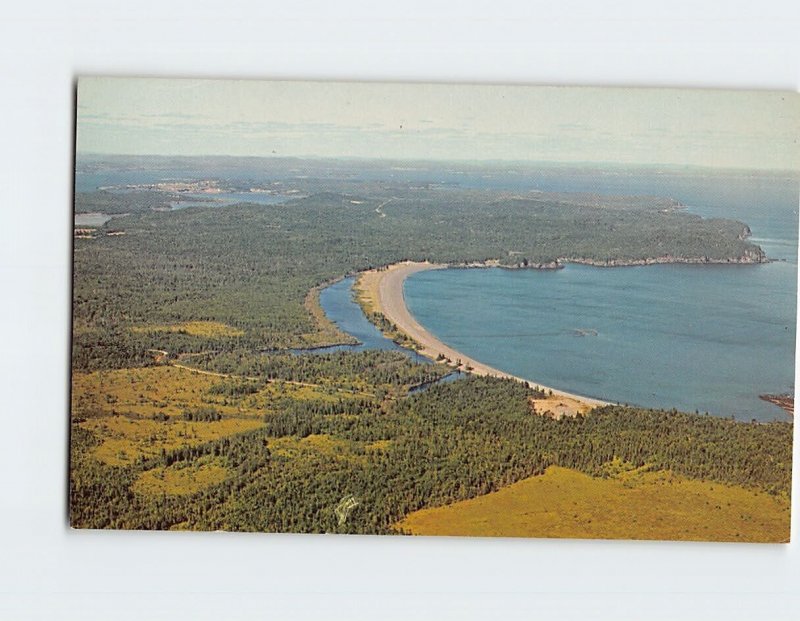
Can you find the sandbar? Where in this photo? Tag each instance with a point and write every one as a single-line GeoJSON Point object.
{"type": "Point", "coordinates": [381, 290]}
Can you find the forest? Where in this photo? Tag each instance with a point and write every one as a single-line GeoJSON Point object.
{"type": "Point", "coordinates": [251, 266]}
{"type": "Point", "coordinates": [189, 411]}
{"type": "Point", "coordinates": [451, 442]}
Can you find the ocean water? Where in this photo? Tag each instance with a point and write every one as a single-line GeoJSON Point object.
{"type": "Point", "coordinates": [706, 338]}
{"type": "Point", "coordinates": [695, 337]}
{"type": "Point", "coordinates": [700, 338]}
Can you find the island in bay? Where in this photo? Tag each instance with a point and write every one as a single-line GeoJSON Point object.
{"type": "Point", "coordinates": [247, 353]}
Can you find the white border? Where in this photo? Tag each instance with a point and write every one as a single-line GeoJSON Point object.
{"type": "Point", "coordinates": [47, 571]}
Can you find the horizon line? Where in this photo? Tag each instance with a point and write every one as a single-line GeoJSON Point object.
{"type": "Point", "coordinates": [577, 163]}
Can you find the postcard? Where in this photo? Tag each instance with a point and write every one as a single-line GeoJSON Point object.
{"type": "Point", "coordinates": [434, 309]}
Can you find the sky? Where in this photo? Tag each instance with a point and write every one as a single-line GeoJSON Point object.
{"type": "Point", "coordinates": [714, 128]}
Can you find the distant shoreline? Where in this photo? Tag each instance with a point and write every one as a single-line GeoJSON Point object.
{"type": "Point", "coordinates": [381, 290]}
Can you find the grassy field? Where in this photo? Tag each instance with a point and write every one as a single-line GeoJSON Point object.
{"type": "Point", "coordinates": [629, 505]}
{"type": "Point", "coordinates": [144, 392]}
{"type": "Point", "coordinates": [168, 390]}
{"type": "Point", "coordinates": [138, 412]}
{"type": "Point", "coordinates": [324, 444]}
{"type": "Point", "coordinates": [194, 328]}
{"type": "Point", "coordinates": [168, 447]}
{"type": "Point", "coordinates": [181, 479]}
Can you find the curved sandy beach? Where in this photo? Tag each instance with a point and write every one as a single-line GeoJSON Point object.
{"type": "Point", "coordinates": [382, 291]}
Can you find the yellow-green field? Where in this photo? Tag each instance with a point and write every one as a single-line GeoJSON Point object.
{"type": "Point", "coordinates": [169, 390]}
{"type": "Point", "coordinates": [195, 328]}
{"type": "Point", "coordinates": [181, 478]}
{"type": "Point", "coordinates": [137, 412]}
{"type": "Point", "coordinates": [330, 446]}
{"type": "Point", "coordinates": [632, 505]}
{"type": "Point", "coordinates": [147, 391]}
{"type": "Point", "coordinates": [124, 440]}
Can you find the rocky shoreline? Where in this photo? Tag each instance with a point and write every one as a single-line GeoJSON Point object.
{"type": "Point", "coordinates": [785, 402]}
{"type": "Point", "coordinates": [749, 258]}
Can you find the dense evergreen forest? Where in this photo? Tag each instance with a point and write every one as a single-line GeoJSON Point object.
{"type": "Point", "coordinates": [451, 442]}
{"type": "Point", "coordinates": [251, 266]}
{"type": "Point", "coordinates": [356, 436]}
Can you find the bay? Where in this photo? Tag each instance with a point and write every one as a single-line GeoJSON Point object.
{"type": "Point", "coordinates": [706, 338]}
{"type": "Point", "coordinates": [697, 338]}
{"type": "Point", "coordinates": [694, 337]}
